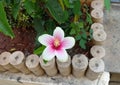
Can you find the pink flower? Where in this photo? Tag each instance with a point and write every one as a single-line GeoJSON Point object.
{"type": "Point", "coordinates": [56, 45]}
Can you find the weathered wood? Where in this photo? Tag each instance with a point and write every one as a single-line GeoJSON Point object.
{"type": "Point", "coordinates": [99, 36]}
{"type": "Point", "coordinates": [115, 77]}
{"type": "Point", "coordinates": [97, 26]}
{"type": "Point", "coordinates": [97, 15]}
{"type": "Point", "coordinates": [4, 62]}
{"type": "Point", "coordinates": [79, 64]}
{"type": "Point", "coordinates": [17, 59]}
{"type": "Point", "coordinates": [95, 69]}
{"type": "Point", "coordinates": [97, 4]}
{"type": "Point", "coordinates": [64, 67]}
{"type": "Point", "coordinates": [32, 62]}
{"type": "Point", "coordinates": [49, 67]}
{"type": "Point", "coordinates": [97, 51]}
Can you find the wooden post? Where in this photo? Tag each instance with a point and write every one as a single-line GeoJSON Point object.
{"type": "Point", "coordinates": [17, 59]}
{"type": "Point", "coordinates": [79, 64]}
{"type": "Point", "coordinates": [96, 68]}
{"type": "Point", "coordinates": [99, 36]}
{"type": "Point", "coordinates": [97, 51]}
{"type": "Point", "coordinates": [4, 61]}
{"type": "Point", "coordinates": [49, 67]}
{"type": "Point", "coordinates": [97, 26]}
{"type": "Point", "coordinates": [97, 15]}
{"type": "Point", "coordinates": [97, 4]}
{"type": "Point", "coordinates": [32, 62]}
{"type": "Point", "coordinates": [64, 67]}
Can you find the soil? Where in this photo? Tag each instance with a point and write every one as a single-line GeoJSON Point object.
{"type": "Point", "coordinates": [23, 41]}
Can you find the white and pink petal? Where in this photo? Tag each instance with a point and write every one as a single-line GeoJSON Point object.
{"type": "Point", "coordinates": [46, 39]}
{"type": "Point", "coordinates": [68, 42]}
{"type": "Point", "coordinates": [48, 54]}
{"type": "Point", "coordinates": [61, 55]}
{"type": "Point", "coordinates": [58, 33]}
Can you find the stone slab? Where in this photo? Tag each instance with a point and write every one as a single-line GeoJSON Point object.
{"type": "Point", "coordinates": [112, 44]}
{"type": "Point", "coordinates": [8, 78]}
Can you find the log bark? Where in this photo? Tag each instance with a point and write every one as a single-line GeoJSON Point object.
{"type": "Point", "coordinates": [95, 69]}
{"type": "Point", "coordinates": [97, 26]}
{"type": "Point", "coordinates": [5, 63]}
{"type": "Point", "coordinates": [97, 15]}
{"type": "Point", "coordinates": [79, 64]}
{"type": "Point", "coordinates": [97, 4]}
{"type": "Point", "coordinates": [17, 59]}
{"type": "Point", "coordinates": [32, 62]}
{"type": "Point", "coordinates": [97, 51]}
{"type": "Point", "coordinates": [64, 67]}
{"type": "Point", "coordinates": [49, 67]}
{"type": "Point", "coordinates": [99, 36]}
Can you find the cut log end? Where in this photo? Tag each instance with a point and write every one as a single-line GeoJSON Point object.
{"type": "Point", "coordinates": [4, 58]}
{"type": "Point", "coordinates": [80, 61]}
{"type": "Point", "coordinates": [97, 4]}
{"type": "Point", "coordinates": [97, 13]}
{"type": "Point", "coordinates": [97, 26]}
{"type": "Point", "coordinates": [79, 64]}
{"type": "Point", "coordinates": [96, 65]}
{"type": "Point", "coordinates": [17, 58]}
{"type": "Point", "coordinates": [32, 61]}
{"type": "Point", "coordinates": [97, 51]}
{"type": "Point", "coordinates": [96, 68]}
{"type": "Point", "coordinates": [99, 35]}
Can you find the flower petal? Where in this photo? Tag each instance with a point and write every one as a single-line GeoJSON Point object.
{"type": "Point", "coordinates": [68, 42]}
{"type": "Point", "coordinates": [61, 55]}
{"type": "Point", "coordinates": [48, 54]}
{"type": "Point", "coordinates": [46, 39]}
{"type": "Point", "coordinates": [58, 33]}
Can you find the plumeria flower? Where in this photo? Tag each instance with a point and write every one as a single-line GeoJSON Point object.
{"type": "Point", "coordinates": [56, 45]}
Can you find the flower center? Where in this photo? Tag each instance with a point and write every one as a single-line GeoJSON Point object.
{"type": "Point", "coordinates": [56, 42]}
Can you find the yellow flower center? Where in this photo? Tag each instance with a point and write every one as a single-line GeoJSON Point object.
{"type": "Point", "coordinates": [56, 42]}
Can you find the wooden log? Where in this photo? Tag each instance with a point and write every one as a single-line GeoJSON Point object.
{"type": "Point", "coordinates": [79, 64]}
{"type": "Point", "coordinates": [49, 67]}
{"type": "Point", "coordinates": [95, 69]}
{"type": "Point", "coordinates": [97, 26]}
{"type": "Point", "coordinates": [99, 36]}
{"type": "Point", "coordinates": [97, 15]}
{"type": "Point", "coordinates": [32, 62]}
{"type": "Point", "coordinates": [97, 51]}
{"type": "Point", "coordinates": [97, 4]}
{"type": "Point", "coordinates": [5, 63]}
{"type": "Point", "coordinates": [64, 67]}
{"type": "Point", "coordinates": [17, 59]}
{"type": "Point", "coordinates": [2, 69]}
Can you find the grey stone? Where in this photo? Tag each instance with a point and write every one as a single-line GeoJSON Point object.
{"type": "Point", "coordinates": [112, 44]}
{"type": "Point", "coordinates": [8, 78]}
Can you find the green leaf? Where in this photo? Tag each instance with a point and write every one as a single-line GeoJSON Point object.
{"type": "Point", "coordinates": [39, 50]}
{"type": "Point", "coordinates": [56, 11]}
{"type": "Point", "coordinates": [67, 4]}
{"type": "Point", "coordinates": [4, 25]}
{"type": "Point", "coordinates": [78, 37]}
{"type": "Point", "coordinates": [107, 4]}
{"type": "Point", "coordinates": [82, 43]}
{"type": "Point", "coordinates": [77, 7]}
{"type": "Point", "coordinates": [15, 10]}
{"type": "Point", "coordinates": [45, 61]}
{"type": "Point", "coordinates": [72, 32]}
{"type": "Point", "coordinates": [29, 6]}
{"type": "Point", "coordinates": [84, 35]}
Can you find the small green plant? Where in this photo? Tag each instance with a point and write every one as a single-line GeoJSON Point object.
{"type": "Point", "coordinates": [45, 15]}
